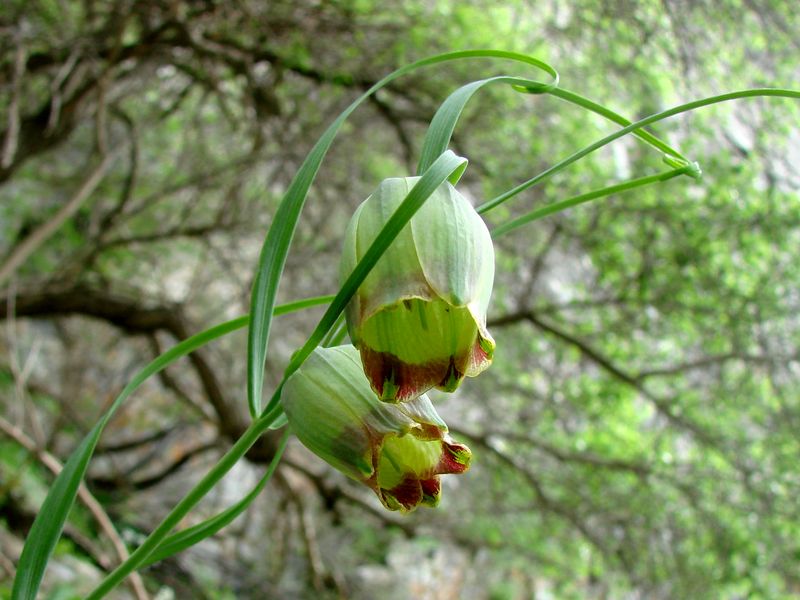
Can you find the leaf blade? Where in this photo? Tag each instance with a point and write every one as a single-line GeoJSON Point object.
{"type": "Point", "coordinates": [182, 540]}
{"type": "Point", "coordinates": [49, 522]}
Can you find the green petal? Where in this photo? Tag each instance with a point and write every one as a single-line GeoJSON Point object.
{"type": "Point", "coordinates": [350, 258]}
{"type": "Point", "coordinates": [415, 345]}
{"type": "Point", "coordinates": [409, 469]}
{"type": "Point", "coordinates": [397, 274]}
{"type": "Point", "coordinates": [421, 411]}
{"type": "Point", "coordinates": [419, 332]}
{"type": "Point", "coordinates": [334, 412]}
{"type": "Point", "coordinates": [455, 249]}
{"type": "Point", "coordinates": [326, 427]}
{"type": "Point", "coordinates": [404, 456]}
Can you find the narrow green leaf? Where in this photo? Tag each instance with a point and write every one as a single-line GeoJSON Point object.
{"type": "Point", "coordinates": [209, 480]}
{"type": "Point", "coordinates": [297, 305]}
{"type": "Point", "coordinates": [47, 526]}
{"type": "Point", "coordinates": [588, 196]}
{"type": "Point", "coordinates": [49, 522]}
{"type": "Point", "coordinates": [609, 114]}
{"type": "Point", "coordinates": [182, 540]}
{"type": "Point", "coordinates": [444, 121]}
{"type": "Point", "coordinates": [671, 112]}
{"type": "Point", "coordinates": [437, 138]}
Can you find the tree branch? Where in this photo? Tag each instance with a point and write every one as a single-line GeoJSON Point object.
{"type": "Point", "coordinates": [564, 456]}
{"type": "Point", "coordinates": [52, 463]}
{"type": "Point", "coordinates": [12, 131]}
{"type": "Point", "coordinates": [543, 500]}
{"type": "Point", "coordinates": [132, 317]}
{"type": "Point", "coordinates": [39, 236]}
{"type": "Point", "coordinates": [662, 405]}
{"type": "Point", "coordinates": [126, 482]}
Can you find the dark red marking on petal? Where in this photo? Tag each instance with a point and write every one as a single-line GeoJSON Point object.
{"type": "Point", "coordinates": [455, 458]}
{"type": "Point", "coordinates": [480, 355]}
{"type": "Point", "coordinates": [452, 377]}
{"type": "Point", "coordinates": [394, 380]}
{"type": "Point", "coordinates": [427, 432]}
{"type": "Point", "coordinates": [408, 493]}
{"type": "Point", "coordinates": [431, 490]}
{"type": "Point", "coordinates": [422, 488]}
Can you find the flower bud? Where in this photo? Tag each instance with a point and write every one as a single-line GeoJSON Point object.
{"type": "Point", "coordinates": [419, 317]}
{"type": "Point", "coordinates": [398, 451]}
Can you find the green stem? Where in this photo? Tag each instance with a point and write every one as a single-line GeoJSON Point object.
{"type": "Point", "coordinates": [575, 200]}
{"type": "Point", "coordinates": [338, 338]}
{"type": "Point", "coordinates": [333, 332]}
{"type": "Point", "coordinates": [775, 92]}
{"type": "Point", "coordinates": [138, 557]}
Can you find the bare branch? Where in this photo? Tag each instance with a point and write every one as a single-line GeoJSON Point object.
{"type": "Point", "coordinates": [31, 243]}
{"type": "Point", "coordinates": [12, 131]}
{"type": "Point", "coordinates": [331, 494]}
{"type": "Point", "coordinates": [52, 463]}
{"type": "Point", "coordinates": [129, 315]}
{"type": "Point", "coordinates": [172, 384]}
{"type": "Point", "coordinates": [126, 481]}
{"type": "Point", "coordinates": [388, 113]}
{"type": "Point", "coordinates": [562, 455]}
{"type": "Point", "coordinates": [544, 502]}
{"type": "Point", "coordinates": [664, 406]}
{"type": "Point", "coordinates": [132, 317]}
{"type": "Point", "coordinates": [708, 361]}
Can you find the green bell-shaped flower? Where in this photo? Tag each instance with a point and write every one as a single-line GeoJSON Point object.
{"type": "Point", "coordinates": [398, 451]}
{"type": "Point", "coordinates": [419, 318]}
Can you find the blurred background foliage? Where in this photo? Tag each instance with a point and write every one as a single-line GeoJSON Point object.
{"type": "Point", "coordinates": [637, 436]}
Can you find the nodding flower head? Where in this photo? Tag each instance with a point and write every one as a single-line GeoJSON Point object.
{"type": "Point", "coordinates": [419, 318]}
{"type": "Point", "coordinates": [397, 450]}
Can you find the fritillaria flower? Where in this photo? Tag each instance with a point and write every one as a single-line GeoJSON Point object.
{"type": "Point", "coordinates": [397, 450]}
{"type": "Point", "coordinates": [419, 318]}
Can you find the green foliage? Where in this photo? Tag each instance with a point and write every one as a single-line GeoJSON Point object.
{"type": "Point", "coordinates": [637, 433]}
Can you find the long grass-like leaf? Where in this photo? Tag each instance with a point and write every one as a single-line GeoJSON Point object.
{"type": "Point", "coordinates": [49, 523]}
{"type": "Point", "coordinates": [609, 114]}
{"type": "Point", "coordinates": [209, 480]}
{"type": "Point", "coordinates": [555, 207]}
{"type": "Point", "coordinates": [437, 138]}
{"type": "Point", "coordinates": [660, 116]}
{"type": "Point", "coordinates": [182, 540]}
